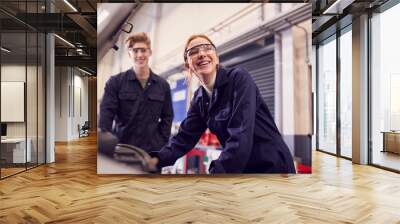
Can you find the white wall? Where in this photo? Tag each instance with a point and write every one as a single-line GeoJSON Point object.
{"type": "Point", "coordinates": [33, 127]}
{"type": "Point", "coordinates": [61, 103]}
{"type": "Point", "coordinates": [79, 117]}
{"type": "Point", "coordinates": [68, 83]}
{"type": "Point", "coordinates": [15, 72]}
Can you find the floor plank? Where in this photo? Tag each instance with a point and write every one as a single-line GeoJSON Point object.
{"type": "Point", "coordinates": [70, 191]}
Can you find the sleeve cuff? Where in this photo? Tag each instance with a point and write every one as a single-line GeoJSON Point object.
{"type": "Point", "coordinates": [216, 167]}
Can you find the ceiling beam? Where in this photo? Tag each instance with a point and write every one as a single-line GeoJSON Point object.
{"type": "Point", "coordinates": [84, 24]}
{"type": "Point", "coordinates": [85, 61]}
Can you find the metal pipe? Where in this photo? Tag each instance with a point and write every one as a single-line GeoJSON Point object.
{"type": "Point", "coordinates": [306, 33]}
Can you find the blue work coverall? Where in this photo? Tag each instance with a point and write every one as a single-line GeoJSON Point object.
{"type": "Point", "coordinates": [239, 117]}
{"type": "Point", "coordinates": [143, 117]}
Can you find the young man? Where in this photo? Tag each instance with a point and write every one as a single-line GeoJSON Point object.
{"type": "Point", "coordinates": [138, 101]}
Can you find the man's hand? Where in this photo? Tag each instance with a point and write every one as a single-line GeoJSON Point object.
{"type": "Point", "coordinates": [153, 163]}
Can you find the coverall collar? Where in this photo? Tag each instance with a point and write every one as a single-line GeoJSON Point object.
{"type": "Point", "coordinates": [220, 81]}
{"type": "Point", "coordinates": [132, 75]}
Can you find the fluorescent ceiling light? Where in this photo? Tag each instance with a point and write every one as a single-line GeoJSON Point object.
{"type": "Point", "coordinates": [5, 49]}
{"type": "Point", "coordinates": [86, 72]}
{"type": "Point", "coordinates": [331, 8]}
{"type": "Point", "coordinates": [65, 41]}
{"type": "Point", "coordinates": [338, 6]}
{"type": "Point", "coordinates": [70, 5]}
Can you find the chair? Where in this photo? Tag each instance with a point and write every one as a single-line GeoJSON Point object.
{"type": "Point", "coordinates": [84, 130]}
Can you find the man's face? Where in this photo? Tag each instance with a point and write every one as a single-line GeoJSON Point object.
{"type": "Point", "coordinates": [140, 54]}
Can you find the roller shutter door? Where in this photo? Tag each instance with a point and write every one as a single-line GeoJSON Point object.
{"type": "Point", "coordinates": [261, 69]}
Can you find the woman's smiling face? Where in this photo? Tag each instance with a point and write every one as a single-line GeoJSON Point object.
{"type": "Point", "coordinates": [202, 57]}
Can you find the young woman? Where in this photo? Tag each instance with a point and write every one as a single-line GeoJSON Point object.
{"type": "Point", "coordinates": [230, 105]}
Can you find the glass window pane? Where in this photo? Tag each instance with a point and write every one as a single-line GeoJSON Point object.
{"type": "Point", "coordinates": [327, 96]}
{"type": "Point", "coordinates": [31, 96]}
{"type": "Point", "coordinates": [385, 87]}
{"type": "Point", "coordinates": [346, 94]}
{"type": "Point", "coordinates": [41, 98]}
{"type": "Point", "coordinates": [13, 84]}
{"type": "Point", "coordinates": [23, 82]}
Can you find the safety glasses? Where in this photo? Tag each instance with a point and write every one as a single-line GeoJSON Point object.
{"type": "Point", "coordinates": [194, 51]}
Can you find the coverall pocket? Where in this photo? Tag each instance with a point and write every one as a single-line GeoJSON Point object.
{"type": "Point", "coordinates": [222, 118]}
{"type": "Point", "coordinates": [223, 114]}
{"type": "Point", "coordinates": [156, 103]}
{"type": "Point", "coordinates": [127, 101]}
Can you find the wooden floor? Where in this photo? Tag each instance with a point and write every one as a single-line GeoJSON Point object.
{"type": "Point", "coordinates": [70, 191]}
{"type": "Point", "coordinates": [10, 171]}
{"type": "Point", "coordinates": [387, 159]}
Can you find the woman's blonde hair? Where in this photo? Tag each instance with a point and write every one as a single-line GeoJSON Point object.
{"type": "Point", "coordinates": [189, 76]}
